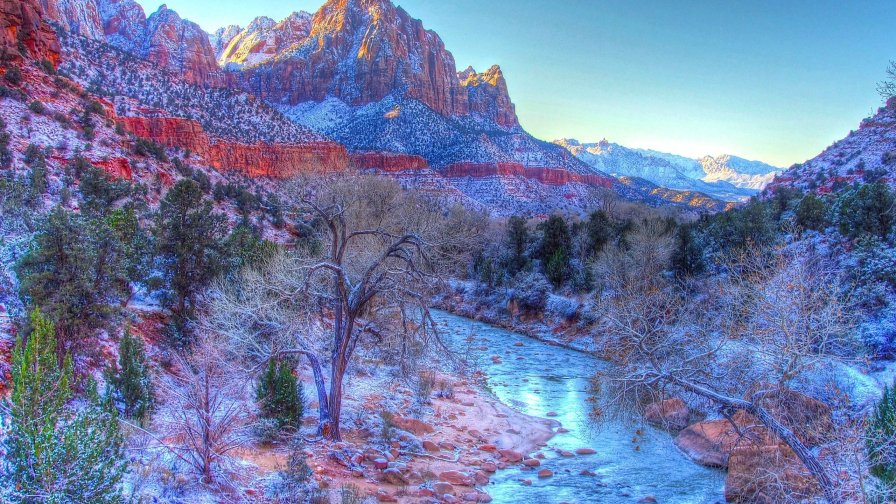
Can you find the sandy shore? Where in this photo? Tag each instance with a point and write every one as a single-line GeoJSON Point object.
{"type": "Point", "coordinates": [463, 442]}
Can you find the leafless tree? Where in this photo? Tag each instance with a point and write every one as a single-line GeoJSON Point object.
{"type": "Point", "coordinates": [205, 414]}
{"type": "Point", "coordinates": [724, 351]}
{"type": "Point", "coordinates": [887, 87]}
{"type": "Point", "coordinates": [382, 252]}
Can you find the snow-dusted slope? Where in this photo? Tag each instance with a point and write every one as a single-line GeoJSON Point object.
{"type": "Point", "coordinates": [726, 177]}
{"type": "Point", "coordinates": [866, 154]}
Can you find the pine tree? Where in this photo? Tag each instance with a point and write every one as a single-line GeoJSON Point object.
{"type": "Point", "coordinates": [77, 270]}
{"type": "Point", "coordinates": [554, 249]}
{"type": "Point", "coordinates": [132, 380]}
{"type": "Point", "coordinates": [280, 395]}
{"type": "Point", "coordinates": [687, 258]}
{"type": "Point", "coordinates": [189, 238]}
{"type": "Point", "coordinates": [55, 455]}
{"type": "Point", "coordinates": [881, 438]}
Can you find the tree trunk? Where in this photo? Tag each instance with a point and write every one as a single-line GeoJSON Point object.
{"type": "Point", "coordinates": [338, 372]}
{"type": "Point", "coordinates": [324, 424]}
{"type": "Point", "coordinates": [784, 434]}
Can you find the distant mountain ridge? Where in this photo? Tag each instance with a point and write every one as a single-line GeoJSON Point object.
{"type": "Point", "coordinates": [726, 177]}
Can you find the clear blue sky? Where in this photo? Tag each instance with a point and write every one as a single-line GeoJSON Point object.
{"type": "Point", "coordinates": [776, 81]}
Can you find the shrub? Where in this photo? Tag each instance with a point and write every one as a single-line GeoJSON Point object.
{"type": "Point", "coordinates": [881, 438]}
{"type": "Point", "coordinates": [13, 75]}
{"type": "Point", "coordinates": [280, 396]}
{"type": "Point", "coordinates": [562, 306]}
{"type": "Point", "coordinates": [132, 380]}
{"type": "Point", "coordinates": [531, 291]}
{"type": "Point", "coordinates": [812, 213]}
{"type": "Point", "coordinates": [37, 107]}
{"type": "Point", "coordinates": [866, 209]}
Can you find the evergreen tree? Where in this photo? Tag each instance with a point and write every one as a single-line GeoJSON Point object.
{"type": "Point", "coordinates": [517, 241]}
{"type": "Point", "coordinates": [554, 249]}
{"type": "Point", "coordinates": [599, 231]}
{"type": "Point", "coordinates": [55, 455]}
{"type": "Point", "coordinates": [867, 209]}
{"type": "Point", "coordinates": [189, 237]}
{"type": "Point", "coordinates": [812, 213]}
{"type": "Point", "coordinates": [77, 271]}
{"type": "Point", "coordinates": [5, 154]}
{"type": "Point", "coordinates": [132, 380]}
{"type": "Point", "coordinates": [881, 438]}
{"type": "Point", "coordinates": [101, 193]}
{"type": "Point", "coordinates": [687, 258]}
{"type": "Point", "coordinates": [280, 395]}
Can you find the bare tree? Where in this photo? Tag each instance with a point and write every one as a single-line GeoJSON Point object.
{"type": "Point", "coordinates": [380, 254]}
{"type": "Point", "coordinates": [887, 87]}
{"type": "Point", "coordinates": [724, 352]}
{"type": "Point", "coordinates": [205, 414]}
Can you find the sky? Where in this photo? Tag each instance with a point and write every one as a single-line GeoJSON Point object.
{"type": "Point", "coordinates": [777, 81]}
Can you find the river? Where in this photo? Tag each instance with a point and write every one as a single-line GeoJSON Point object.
{"type": "Point", "coordinates": [633, 461]}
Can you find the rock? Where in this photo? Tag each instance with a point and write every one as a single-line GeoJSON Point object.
{"type": "Point", "coordinates": [551, 414]}
{"type": "Point", "coordinates": [518, 344]}
{"type": "Point", "coordinates": [532, 462]}
{"type": "Point", "coordinates": [566, 453]}
{"type": "Point", "coordinates": [394, 477]}
{"type": "Point", "coordinates": [23, 27]}
{"type": "Point", "coordinates": [708, 443]}
{"type": "Point", "coordinates": [669, 413]}
{"type": "Point", "coordinates": [456, 478]}
{"type": "Point", "coordinates": [417, 427]}
{"type": "Point", "coordinates": [488, 448]}
{"type": "Point", "coordinates": [481, 478]}
{"type": "Point", "coordinates": [384, 496]}
{"type": "Point", "coordinates": [443, 488]}
{"type": "Point", "coordinates": [511, 456]}
{"type": "Point", "coordinates": [586, 472]}
{"type": "Point", "coordinates": [489, 467]}
{"type": "Point", "coordinates": [430, 446]}
{"type": "Point", "coordinates": [260, 160]}
{"type": "Point", "coordinates": [585, 451]}
{"type": "Point", "coordinates": [562, 430]}
{"type": "Point", "coordinates": [526, 482]}
{"type": "Point", "coordinates": [353, 51]}
{"type": "Point", "coordinates": [380, 463]}
{"type": "Point", "coordinates": [545, 473]}
{"type": "Point", "coordinates": [647, 499]}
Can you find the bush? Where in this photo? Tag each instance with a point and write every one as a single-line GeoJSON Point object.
{"type": "Point", "coordinates": [531, 291]}
{"type": "Point", "coordinates": [280, 396]}
{"type": "Point", "coordinates": [561, 306]}
{"type": "Point", "coordinates": [866, 210]}
{"type": "Point", "coordinates": [132, 380]}
{"type": "Point", "coordinates": [13, 75]}
{"type": "Point", "coordinates": [37, 107]}
{"type": "Point", "coordinates": [812, 213]}
{"type": "Point", "coordinates": [881, 438]}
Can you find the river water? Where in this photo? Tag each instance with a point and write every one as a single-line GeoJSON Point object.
{"type": "Point", "coordinates": [633, 461]}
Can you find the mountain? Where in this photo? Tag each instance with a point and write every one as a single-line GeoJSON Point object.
{"type": "Point", "coordinates": [865, 154]}
{"type": "Point", "coordinates": [25, 34]}
{"type": "Point", "coordinates": [728, 178]}
{"type": "Point", "coordinates": [361, 74]}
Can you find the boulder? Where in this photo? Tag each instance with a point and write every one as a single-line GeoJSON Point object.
{"type": "Point", "coordinates": [511, 456]}
{"type": "Point", "coordinates": [456, 478]}
{"type": "Point", "coordinates": [412, 425]}
{"type": "Point", "coordinates": [545, 473]}
{"type": "Point", "coordinates": [443, 488]}
{"type": "Point", "coordinates": [394, 477]}
{"type": "Point", "coordinates": [668, 413]}
{"type": "Point", "coordinates": [586, 451]}
{"type": "Point", "coordinates": [708, 443]}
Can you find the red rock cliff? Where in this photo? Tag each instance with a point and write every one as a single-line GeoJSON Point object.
{"type": "Point", "coordinates": [21, 21]}
{"type": "Point", "coordinates": [387, 162]}
{"type": "Point", "coordinates": [544, 175]}
{"type": "Point", "coordinates": [488, 96]}
{"type": "Point", "coordinates": [256, 160]}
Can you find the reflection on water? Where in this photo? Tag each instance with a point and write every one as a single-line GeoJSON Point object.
{"type": "Point", "coordinates": [632, 461]}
